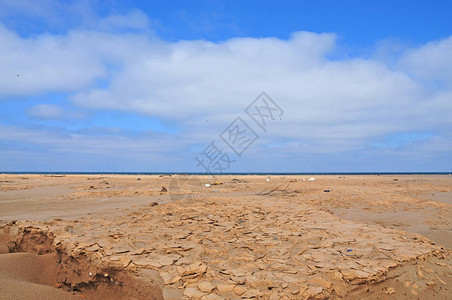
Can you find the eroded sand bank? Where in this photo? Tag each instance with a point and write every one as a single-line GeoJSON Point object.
{"type": "Point", "coordinates": [240, 237]}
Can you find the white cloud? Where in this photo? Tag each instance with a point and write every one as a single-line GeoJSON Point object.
{"type": "Point", "coordinates": [46, 111]}
{"type": "Point", "coordinates": [193, 81]}
{"type": "Point", "coordinates": [52, 112]}
{"type": "Point", "coordinates": [432, 61]}
{"type": "Point", "coordinates": [330, 105]}
{"type": "Point", "coordinates": [37, 148]}
{"type": "Point", "coordinates": [47, 63]}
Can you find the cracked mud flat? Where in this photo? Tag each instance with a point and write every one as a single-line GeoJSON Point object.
{"type": "Point", "coordinates": [244, 238]}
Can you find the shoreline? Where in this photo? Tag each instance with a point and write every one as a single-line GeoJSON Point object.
{"type": "Point", "coordinates": [226, 174]}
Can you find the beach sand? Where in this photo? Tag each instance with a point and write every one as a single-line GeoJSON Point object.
{"type": "Point", "coordinates": [266, 237]}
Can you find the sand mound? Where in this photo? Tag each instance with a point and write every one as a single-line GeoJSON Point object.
{"type": "Point", "coordinates": [50, 273]}
{"type": "Point", "coordinates": [29, 276]}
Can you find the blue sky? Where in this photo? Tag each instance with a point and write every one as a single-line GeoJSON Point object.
{"type": "Point", "coordinates": [133, 86]}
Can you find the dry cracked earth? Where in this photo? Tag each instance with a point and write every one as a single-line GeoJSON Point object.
{"type": "Point", "coordinates": [235, 237]}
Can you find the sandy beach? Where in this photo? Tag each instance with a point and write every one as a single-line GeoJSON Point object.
{"type": "Point", "coordinates": [225, 237]}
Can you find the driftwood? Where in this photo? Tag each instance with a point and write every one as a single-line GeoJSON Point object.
{"type": "Point", "coordinates": [278, 187]}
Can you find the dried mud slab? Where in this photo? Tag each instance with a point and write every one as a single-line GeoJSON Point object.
{"type": "Point", "coordinates": [231, 248]}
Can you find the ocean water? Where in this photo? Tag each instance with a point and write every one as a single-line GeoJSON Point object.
{"type": "Point", "coordinates": [228, 173]}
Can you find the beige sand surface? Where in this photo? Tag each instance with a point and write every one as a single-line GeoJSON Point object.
{"type": "Point", "coordinates": [269, 237]}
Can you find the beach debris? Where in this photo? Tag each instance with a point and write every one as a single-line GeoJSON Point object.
{"type": "Point", "coordinates": [163, 190]}
{"type": "Point", "coordinates": [440, 280]}
{"type": "Point", "coordinates": [166, 176]}
{"type": "Point", "coordinates": [138, 178]}
{"type": "Point", "coordinates": [326, 191]}
{"type": "Point", "coordinates": [311, 179]}
{"type": "Point", "coordinates": [267, 179]}
{"type": "Point", "coordinates": [153, 203]}
{"type": "Point", "coordinates": [281, 187]}
{"type": "Point", "coordinates": [388, 290]}
{"type": "Point", "coordinates": [91, 187]}
{"type": "Point", "coordinates": [419, 273]}
{"type": "Point", "coordinates": [207, 185]}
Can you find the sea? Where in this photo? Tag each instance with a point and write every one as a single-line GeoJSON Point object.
{"type": "Point", "coordinates": [227, 173]}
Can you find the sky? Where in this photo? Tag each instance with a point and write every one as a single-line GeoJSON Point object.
{"type": "Point", "coordinates": [161, 86]}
